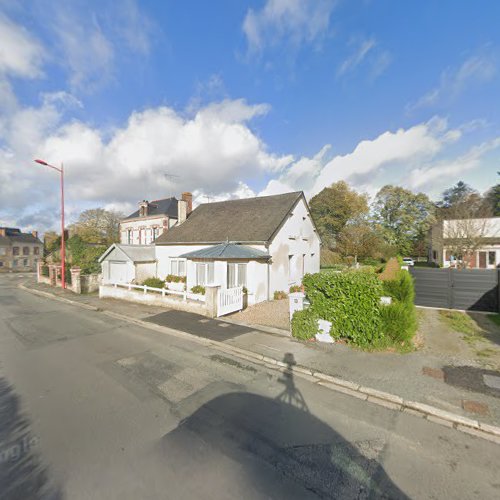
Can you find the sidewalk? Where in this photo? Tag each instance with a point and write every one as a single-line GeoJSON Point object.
{"type": "Point", "coordinates": [418, 376]}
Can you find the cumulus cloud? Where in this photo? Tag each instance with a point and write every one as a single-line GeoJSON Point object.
{"type": "Point", "coordinates": [398, 149]}
{"type": "Point", "coordinates": [475, 70]}
{"type": "Point", "coordinates": [212, 151]}
{"type": "Point", "coordinates": [20, 53]}
{"type": "Point", "coordinates": [293, 21]}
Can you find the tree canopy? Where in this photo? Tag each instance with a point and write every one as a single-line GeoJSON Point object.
{"type": "Point", "coordinates": [334, 207]}
{"type": "Point", "coordinates": [98, 225]}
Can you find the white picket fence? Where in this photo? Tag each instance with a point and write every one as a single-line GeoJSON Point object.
{"type": "Point", "coordinates": [163, 291]}
{"type": "Point", "coordinates": [229, 300]}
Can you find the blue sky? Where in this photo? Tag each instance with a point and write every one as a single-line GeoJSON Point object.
{"type": "Point", "coordinates": [242, 98]}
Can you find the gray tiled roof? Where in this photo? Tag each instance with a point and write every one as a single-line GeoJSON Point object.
{"type": "Point", "coordinates": [167, 206]}
{"type": "Point", "coordinates": [227, 251]}
{"type": "Point", "coordinates": [14, 236]}
{"type": "Point", "coordinates": [136, 253]}
{"type": "Point", "coordinates": [246, 220]}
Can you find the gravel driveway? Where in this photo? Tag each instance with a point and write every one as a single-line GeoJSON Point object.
{"type": "Point", "coordinates": [271, 313]}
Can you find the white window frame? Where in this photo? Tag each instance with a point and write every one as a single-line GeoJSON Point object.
{"type": "Point", "coordinates": [240, 276]}
{"type": "Point", "coordinates": [205, 270]}
{"type": "Point", "coordinates": [130, 236]}
{"type": "Point", "coordinates": [3, 251]}
{"type": "Point", "coordinates": [178, 267]}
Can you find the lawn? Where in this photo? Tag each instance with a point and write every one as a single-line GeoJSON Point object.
{"type": "Point", "coordinates": [495, 318]}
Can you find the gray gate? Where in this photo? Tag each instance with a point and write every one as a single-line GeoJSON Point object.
{"type": "Point", "coordinates": [466, 289]}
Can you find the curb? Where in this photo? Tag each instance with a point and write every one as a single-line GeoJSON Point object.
{"type": "Point", "coordinates": [380, 398]}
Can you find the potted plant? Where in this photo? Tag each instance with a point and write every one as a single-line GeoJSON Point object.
{"type": "Point", "coordinates": [175, 283]}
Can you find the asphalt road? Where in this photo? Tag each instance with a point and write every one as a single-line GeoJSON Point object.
{"type": "Point", "coordinates": [94, 407]}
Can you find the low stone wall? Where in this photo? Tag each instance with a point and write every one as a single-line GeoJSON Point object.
{"type": "Point", "coordinates": [172, 302]}
{"type": "Point", "coordinates": [90, 283]}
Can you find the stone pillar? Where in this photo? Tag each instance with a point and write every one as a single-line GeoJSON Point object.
{"type": "Point", "coordinates": [211, 296]}
{"type": "Point", "coordinates": [76, 281]}
{"type": "Point", "coordinates": [39, 266]}
{"type": "Point", "coordinates": [296, 302]}
{"type": "Point", "coordinates": [52, 275]}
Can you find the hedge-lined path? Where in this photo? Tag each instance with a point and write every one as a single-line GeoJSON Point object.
{"type": "Point", "coordinates": [405, 375]}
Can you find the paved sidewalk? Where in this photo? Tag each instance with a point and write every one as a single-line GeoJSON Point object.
{"type": "Point", "coordinates": [418, 376]}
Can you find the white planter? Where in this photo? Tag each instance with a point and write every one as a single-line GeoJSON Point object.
{"type": "Point", "coordinates": [386, 301]}
{"type": "Point", "coordinates": [196, 296]}
{"type": "Point", "coordinates": [176, 287]}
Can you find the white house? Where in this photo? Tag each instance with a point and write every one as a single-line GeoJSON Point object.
{"type": "Point", "coordinates": [265, 244]}
{"type": "Point", "coordinates": [481, 235]}
{"type": "Point", "coordinates": [153, 218]}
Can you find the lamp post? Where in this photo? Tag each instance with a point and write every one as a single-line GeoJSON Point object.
{"type": "Point", "coordinates": [63, 246]}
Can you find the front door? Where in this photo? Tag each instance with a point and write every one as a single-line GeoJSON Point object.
{"type": "Point", "coordinates": [482, 260]}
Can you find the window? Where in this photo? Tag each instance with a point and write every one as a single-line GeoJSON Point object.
{"type": "Point", "coordinates": [130, 236]}
{"type": "Point", "coordinates": [236, 275]}
{"type": "Point", "coordinates": [3, 251]}
{"type": "Point", "coordinates": [36, 251]}
{"type": "Point", "coordinates": [149, 235]}
{"type": "Point", "coordinates": [178, 267]}
{"type": "Point", "coordinates": [25, 262]}
{"type": "Point", "coordinates": [491, 258]}
{"type": "Point", "coordinates": [1, 263]}
{"type": "Point", "coordinates": [290, 267]}
{"type": "Point", "coordinates": [26, 250]}
{"type": "Point", "coordinates": [204, 273]}
{"type": "Point", "coordinates": [15, 250]}
{"type": "Point", "coordinates": [434, 255]}
{"type": "Point", "coordinates": [156, 232]}
{"type": "Point", "coordinates": [14, 263]}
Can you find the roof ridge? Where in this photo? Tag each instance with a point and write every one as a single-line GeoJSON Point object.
{"type": "Point", "coordinates": [252, 198]}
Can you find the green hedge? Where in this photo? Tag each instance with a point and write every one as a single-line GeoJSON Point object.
{"type": "Point", "coordinates": [154, 283]}
{"type": "Point", "coordinates": [350, 301]}
{"type": "Point", "coordinates": [304, 324]}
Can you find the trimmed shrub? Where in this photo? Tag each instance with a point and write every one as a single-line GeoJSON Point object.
{"type": "Point", "coordinates": [280, 294]}
{"type": "Point", "coordinates": [154, 283]}
{"type": "Point", "coordinates": [350, 301]}
{"type": "Point", "coordinates": [391, 269]}
{"type": "Point", "coordinates": [45, 270]}
{"type": "Point", "coordinates": [304, 324]}
{"type": "Point", "coordinates": [198, 289]}
{"type": "Point", "coordinates": [401, 288]}
{"type": "Point", "coordinates": [399, 321]}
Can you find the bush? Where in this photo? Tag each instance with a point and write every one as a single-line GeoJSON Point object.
{"type": "Point", "coordinates": [279, 295]}
{"type": "Point", "coordinates": [391, 269]}
{"type": "Point", "coordinates": [399, 321]}
{"type": "Point", "coordinates": [172, 278]}
{"type": "Point", "coordinates": [295, 289]}
{"type": "Point", "coordinates": [304, 324]}
{"type": "Point", "coordinates": [401, 288]}
{"type": "Point", "coordinates": [154, 283]}
{"type": "Point", "coordinates": [45, 270]}
{"type": "Point", "coordinates": [350, 301]}
{"type": "Point", "coordinates": [198, 289]}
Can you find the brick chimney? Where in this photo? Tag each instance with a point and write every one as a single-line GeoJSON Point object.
{"type": "Point", "coordinates": [188, 198]}
{"type": "Point", "coordinates": [2, 231]}
{"type": "Point", "coordinates": [35, 234]}
{"type": "Point", "coordinates": [144, 208]}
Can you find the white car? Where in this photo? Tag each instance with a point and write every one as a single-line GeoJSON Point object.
{"type": "Point", "coordinates": [408, 261]}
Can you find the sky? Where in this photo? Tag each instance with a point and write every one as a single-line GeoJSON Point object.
{"type": "Point", "coordinates": [231, 98]}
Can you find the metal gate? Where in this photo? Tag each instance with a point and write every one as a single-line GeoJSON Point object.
{"type": "Point", "coordinates": [465, 289]}
{"type": "Point", "coordinates": [229, 300]}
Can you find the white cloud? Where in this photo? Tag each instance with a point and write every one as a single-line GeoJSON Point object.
{"type": "Point", "coordinates": [396, 150]}
{"type": "Point", "coordinates": [20, 54]}
{"type": "Point", "coordinates": [356, 58]}
{"type": "Point", "coordinates": [211, 152]}
{"type": "Point", "coordinates": [475, 70]}
{"type": "Point", "coordinates": [293, 21]}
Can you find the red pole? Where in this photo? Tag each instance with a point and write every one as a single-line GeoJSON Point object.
{"type": "Point", "coordinates": [63, 247]}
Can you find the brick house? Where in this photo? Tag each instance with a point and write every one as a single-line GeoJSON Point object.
{"type": "Point", "coordinates": [154, 218]}
{"type": "Point", "coordinates": [19, 251]}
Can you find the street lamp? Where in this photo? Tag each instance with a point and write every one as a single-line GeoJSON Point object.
{"type": "Point", "coordinates": [63, 247]}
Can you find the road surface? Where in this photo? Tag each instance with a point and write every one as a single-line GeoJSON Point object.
{"type": "Point", "coordinates": [93, 407]}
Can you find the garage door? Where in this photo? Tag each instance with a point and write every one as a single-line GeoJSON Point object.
{"type": "Point", "coordinates": [118, 272]}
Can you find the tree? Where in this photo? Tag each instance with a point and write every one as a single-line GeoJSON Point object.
{"type": "Point", "coordinates": [98, 225]}
{"type": "Point", "coordinates": [402, 216]}
{"type": "Point", "coordinates": [334, 207]}
{"type": "Point", "coordinates": [456, 195]}
{"type": "Point", "coordinates": [492, 199]}
{"type": "Point", "coordinates": [357, 239]}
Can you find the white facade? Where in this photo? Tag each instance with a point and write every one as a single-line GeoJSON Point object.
{"type": "Point", "coordinates": [118, 266]}
{"type": "Point", "coordinates": [294, 251]}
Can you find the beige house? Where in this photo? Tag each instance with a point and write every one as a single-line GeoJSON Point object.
{"type": "Point", "coordinates": [154, 218]}
{"type": "Point", "coordinates": [472, 243]}
{"type": "Point", "coordinates": [19, 251]}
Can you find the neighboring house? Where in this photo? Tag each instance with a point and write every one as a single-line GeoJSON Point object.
{"type": "Point", "coordinates": [154, 218]}
{"type": "Point", "coordinates": [128, 263]}
{"type": "Point", "coordinates": [475, 243]}
{"type": "Point", "coordinates": [265, 244]}
{"type": "Point", "coordinates": [19, 251]}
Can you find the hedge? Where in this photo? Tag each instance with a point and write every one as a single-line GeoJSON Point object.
{"type": "Point", "coordinates": [350, 301]}
{"type": "Point", "coordinates": [154, 283]}
{"type": "Point", "coordinates": [304, 324]}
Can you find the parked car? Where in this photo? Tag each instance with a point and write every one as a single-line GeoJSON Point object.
{"type": "Point", "coordinates": [408, 261]}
